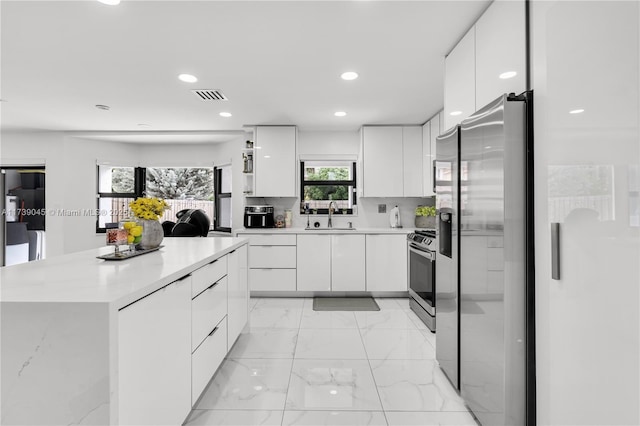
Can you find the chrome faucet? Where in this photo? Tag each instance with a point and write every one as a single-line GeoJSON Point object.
{"type": "Point", "coordinates": [329, 224]}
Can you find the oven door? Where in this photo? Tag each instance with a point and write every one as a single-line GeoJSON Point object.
{"type": "Point", "coordinates": [422, 273]}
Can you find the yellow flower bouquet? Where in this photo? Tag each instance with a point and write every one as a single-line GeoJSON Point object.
{"type": "Point", "coordinates": [148, 208]}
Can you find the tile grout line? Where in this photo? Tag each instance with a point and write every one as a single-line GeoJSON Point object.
{"type": "Point", "coordinates": [384, 413]}
{"type": "Point", "coordinates": [293, 360]}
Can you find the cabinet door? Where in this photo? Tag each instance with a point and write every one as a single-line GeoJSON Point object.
{"type": "Point", "coordinates": [386, 262]}
{"type": "Point", "coordinates": [427, 161]}
{"type": "Point", "coordinates": [238, 293]}
{"type": "Point", "coordinates": [348, 262]}
{"type": "Point", "coordinates": [154, 357]}
{"type": "Point", "coordinates": [382, 161]}
{"type": "Point", "coordinates": [500, 49]}
{"type": "Point", "coordinates": [412, 161]}
{"type": "Point", "coordinates": [314, 263]}
{"type": "Point", "coordinates": [275, 162]}
{"type": "Point", "coordinates": [459, 81]}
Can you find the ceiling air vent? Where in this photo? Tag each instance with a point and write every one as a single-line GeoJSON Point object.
{"type": "Point", "coordinates": [210, 95]}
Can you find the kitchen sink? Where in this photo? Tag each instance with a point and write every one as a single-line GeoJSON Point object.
{"type": "Point", "coordinates": [335, 228]}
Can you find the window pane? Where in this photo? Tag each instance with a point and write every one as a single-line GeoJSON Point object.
{"type": "Point", "coordinates": [182, 188]}
{"type": "Point", "coordinates": [319, 196]}
{"type": "Point", "coordinates": [225, 213]}
{"type": "Point", "coordinates": [327, 170]}
{"type": "Point", "coordinates": [225, 179]}
{"type": "Point", "coordinates": [115, 179]}
{"type": "Point", "coordinates": [112, 210]}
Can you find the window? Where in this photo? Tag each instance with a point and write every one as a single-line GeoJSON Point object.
{"type": "Point", "coordinates": [181, 187]}
{"type": "Point", "coordinates": [222, 181]}
{"type": "Point", "coordinates": [325, 181]}
{"type": "Point", "coordinates": [116, 188]}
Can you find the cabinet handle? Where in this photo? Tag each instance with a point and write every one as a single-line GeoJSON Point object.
{"type": "Point", "coordinates": [183, 278]}
{"type": "Point", "coordinates": [433, 182]}
{"type": "Point", "coordinates": [555, 251]}
{"type": "Point", "coordinates": [213, 331]}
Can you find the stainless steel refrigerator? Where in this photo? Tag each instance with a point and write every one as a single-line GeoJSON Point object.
{"type": "Point", "coordinates": [485, 340]}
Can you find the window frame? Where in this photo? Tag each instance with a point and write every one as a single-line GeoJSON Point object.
{"type": "Point", "coordinates": [218, 194]}
{"type": "Point", "coordinates": [138, 191]}
{"type": "Point", "coordinates": [139, 183]}
{"type": "Point", "coordinates": [352, 182]}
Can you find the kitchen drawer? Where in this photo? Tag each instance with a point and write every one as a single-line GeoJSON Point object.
{"type": "Point", "coordinates": [207, 275]}
{"type": "Point", "coordinates": [272, 257]}
{"type": "Point", "coordinates": [272, 279]}
{"type": "Point", "coordinates": [207, 309]}
{"type": "Point", "coordinates": [207, 358]}
{"type": "Point", "coordinates": [271, 240]}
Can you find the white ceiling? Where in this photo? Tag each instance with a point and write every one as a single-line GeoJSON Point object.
{"type": "Point", "coordinates": [277, 62]}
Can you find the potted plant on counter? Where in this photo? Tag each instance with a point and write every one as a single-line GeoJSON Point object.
{"type": "Point", "coordinates": [147, 211]}
{"type": "Point", "coordinates": [425, 217]}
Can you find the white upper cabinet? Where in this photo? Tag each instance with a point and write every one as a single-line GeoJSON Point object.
{"type": "Point", "coordinates": [500, 51]}
{"type": "Point", "coordinates": [460, 82]}
{"type": "Point", "coordinates": [275, 161]}
{"type": "Point", "coordinates": [487, 62]}
{"type": "Point", "coordinates": [427, 161]}
{"type": "Point", "coordinates": [412, 161]}
{"type": "Point", "coordinates": [382, 161]}
{"type": "Point", "coordinates": [392, 161]}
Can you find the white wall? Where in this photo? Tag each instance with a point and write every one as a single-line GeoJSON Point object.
{"type": "Point", "coordinates": [586, 55]}
{"type": "Point", "coordinates": [70, 183]}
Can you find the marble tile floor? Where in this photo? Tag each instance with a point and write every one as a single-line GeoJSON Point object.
{"type": "Point", "coordinates": [296, 366]}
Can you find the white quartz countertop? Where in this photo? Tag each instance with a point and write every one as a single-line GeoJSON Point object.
{"type": "Point", "coordinates": [323, 230]}
{"type": "Point", "coordinates": [81, 277]}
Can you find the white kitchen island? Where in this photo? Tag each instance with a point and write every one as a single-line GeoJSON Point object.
{"type": "Point", "coordinates": [89, 341]}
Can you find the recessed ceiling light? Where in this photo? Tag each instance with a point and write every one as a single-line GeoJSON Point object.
{"type": "Point", "coordinates": [349, 75]}
{"type": "Point", "coordinates": [267, 156]}
{"type": "Point", "coordinates": [188, 78]}
{"type": "Point", "coordinates": [144, 125]}
{"type": "Point", "coordinates": [103, 107]}
{"type": "Point", "coordinates": [333, 392]}
{"type": "Point", "coordinates": [225, 114]}
{"type": "Point", "coordinates": [110, 2]}
{"type": "Point", "coordinates": [576, 111]}
{"type": "Point", "coordinates": [454, 113]}
{"type": "Point", "coordinates": [508, 74]}
{"type": "Point", "coordinates": [340, 113]}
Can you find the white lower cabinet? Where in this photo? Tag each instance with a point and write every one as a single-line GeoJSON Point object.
{"type": "Point", "coordinates": [272, 262]}
{"type": "Point", "coordinates": [314, 262]}
{"type": "Point", "coordinates": [269, 279]}
{"type": "Point", "coordinates": [154, 357]}
{"type": "Point", "coordinates": [238, 293]}
{"type": "Point", "coordinates": [348, 263]}
{"type": "Point", "coordinates": [386, 262]}
{"type": "Point", "coordinates": [207, 358]}
{"type": "Point", "coordinates": [207, 309]}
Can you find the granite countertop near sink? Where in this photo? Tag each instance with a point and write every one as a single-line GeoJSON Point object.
{"type": "Point", "coordinates": [323, 230]}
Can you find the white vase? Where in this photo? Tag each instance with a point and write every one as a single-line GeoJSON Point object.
{"type": "Point", "coordinates": [425, 222]}
{"type": "Point", "coordinates": [152, 234]}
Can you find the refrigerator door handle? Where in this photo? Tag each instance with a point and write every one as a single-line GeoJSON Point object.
{"type": "Point", "coordinates": [555, 251]}
{"type": "Point", "coordinates": [433, 170]}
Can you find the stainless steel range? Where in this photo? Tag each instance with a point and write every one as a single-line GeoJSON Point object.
{"type": "Point", "coordinates": [421, 246]}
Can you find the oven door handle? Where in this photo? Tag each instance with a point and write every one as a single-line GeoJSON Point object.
{"type": "Point", "coordinates": [424, 253]}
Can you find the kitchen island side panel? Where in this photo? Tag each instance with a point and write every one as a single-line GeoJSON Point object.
{"type": "Point", "coordinates": [55, 363]}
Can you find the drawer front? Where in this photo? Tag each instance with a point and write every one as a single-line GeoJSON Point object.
{"type": "Point", "coordinates": [272, 279]}
{"type": "Point", "coordinates": [207, 309]}
{"type": "Point", "coordinates": [207, 275]}
{"type": "Point", "coordinates": [272, 257]}
{"type": "Point", "coordinates": [207, 358]}
{"type": "Point", "coordinates": [271, 240]}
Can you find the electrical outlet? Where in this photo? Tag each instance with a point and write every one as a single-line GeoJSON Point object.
{"type": "Point", "coordinates": [382, 208]}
